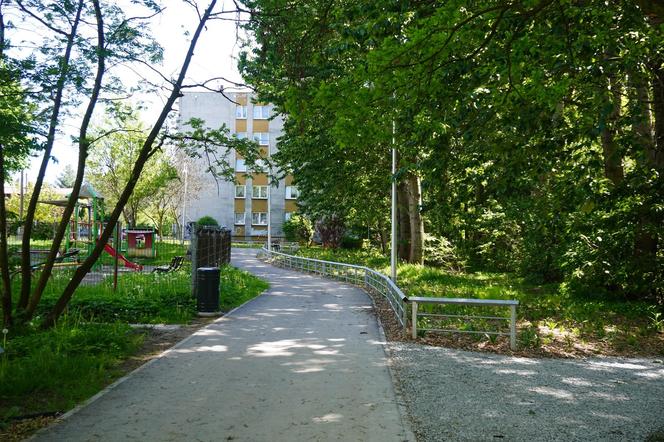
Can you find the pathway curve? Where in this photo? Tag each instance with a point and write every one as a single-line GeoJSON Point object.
{"type": "Point", "coordinates": [303, 362]}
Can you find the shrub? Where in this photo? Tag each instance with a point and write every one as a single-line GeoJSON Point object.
{"type": "Point", "coordinates": [439, 252]}
{"type": "Point", "coordinates": [331, 230]}
{"type": "Point", "coordinates": [299, 228]}
{"type": "Point", "coordinates": [351, 242]}
{"type": "Point", "coordinates": [207, 221]}
{"type": "Point", "coordinates": [42, 231]}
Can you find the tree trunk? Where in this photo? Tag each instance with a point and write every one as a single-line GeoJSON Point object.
{"type": "Point", "coordinates": [26, 270]}
{"type": "Point", "coordinates": [382, 234]}
{"type": "Point", "coordinates": [83, 147]}
{"type": "Point", "coordinates": [403, 222]}
{"type": "Point", "coordinates": [645, 240]}
{"type": "Point", "coordinates": [415, 221]}
{"type": "Point", "coordinates": [655, 155]}
{"type": "Point", "coordinates": [147, 150]}
{"type": "Point", "coordinates": [4, 255]}
{"type": "Point", "coordinates": [613, 169]}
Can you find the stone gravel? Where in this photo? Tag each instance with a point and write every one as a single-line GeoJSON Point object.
{"type": "Point", "coordinates": [457, 395]}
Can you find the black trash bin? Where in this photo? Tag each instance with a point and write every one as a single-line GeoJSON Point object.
{"type": "Point", "coordinates": [207, 289]}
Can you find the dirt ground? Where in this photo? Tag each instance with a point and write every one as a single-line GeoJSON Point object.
{"type": "Point", "coordinates": [558, 347]}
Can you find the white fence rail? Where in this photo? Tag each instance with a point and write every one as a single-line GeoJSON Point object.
{"type": "Point", "coordinates": [373, 280]}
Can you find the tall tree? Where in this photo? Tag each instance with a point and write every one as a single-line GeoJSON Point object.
{"type": "Point", "coordinates": [84, 43]}
{"type": "Point", "coordinates": [66, 178]}
{"type": "Point", "coordinates": [113, 157]}
{"type": "Point", "coordinates": [531, 128]}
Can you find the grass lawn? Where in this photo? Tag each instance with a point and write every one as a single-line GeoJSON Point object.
{"type": "Point", "coordinates": [52, 370]}
{"type": "Point", "coordinates": [551, 319]}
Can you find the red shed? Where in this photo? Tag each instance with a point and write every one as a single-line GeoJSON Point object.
{"type": "Point", "coordinates": [141, 242]}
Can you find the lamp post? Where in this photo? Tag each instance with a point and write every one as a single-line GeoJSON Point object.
{"type": "Point", "coordinates": [184, 202]}
{"type": "Point", "coordinates": [269, 216]}
{"type": "Point", "coordinates": [393, 251]}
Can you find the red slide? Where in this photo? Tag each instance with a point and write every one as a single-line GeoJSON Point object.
{"type": "Point", "coordinates": [132, 265]}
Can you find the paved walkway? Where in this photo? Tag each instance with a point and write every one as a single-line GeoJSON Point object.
{"type": "Point", "coordinates": [303, 362]}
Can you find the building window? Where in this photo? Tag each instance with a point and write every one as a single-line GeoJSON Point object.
{"type": "Point", "coordinates": [241, 135]}
{"type": "Point", "coordinates": [259, 218]}
{"type": "Point", "coordinates": [288, 216]}
{"type": "Point", "coordinates": [239, 191]}
{"type": "Point", "coordinates": [240, 166]}
{"type": "Point", "coordinates": [241, 112]}
{"type": "Point", "coordinates": [239, 218]}
{"type": "Point", "coordinates": [261, 112]}
{"type": "Point", "coordinates": [259, 192]}
{"type": "Point", "coordinates": [292, 193]}
{"type": "Point", "coordinates": [262, 138]}
{"type": "Point", "coordinates": [261, 165]}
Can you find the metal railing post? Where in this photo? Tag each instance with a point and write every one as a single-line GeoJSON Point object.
{"type": "Point", "coordinates": [404, 317]}
{"type": "Point", "coordinates": [414, 324]}
{"type": "Point", "coordinates": [513, 327]}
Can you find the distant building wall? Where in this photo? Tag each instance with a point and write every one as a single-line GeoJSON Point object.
{"type": "Point", "coordinates": [218, 198]}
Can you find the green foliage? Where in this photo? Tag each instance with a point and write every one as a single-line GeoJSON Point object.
{"type": "Point", "coordinates": [18, 117]}
{"type": "Point", "coordinates": [66, 178]}
{"type": "Point", "coordinates": [53, 370]}
{"type": "Point", "coordinates": [531, 126]}
{"type": "Point", "coordinates": [238, 287]}
{"type": "Point", "coordinates": [140, 298]}
{"type": "Point", "coordinates": [299, 228]}
{"type": "Point", "coordinates": [351, 242]}
{"type": "Point", "coordinates": [331, 229]}
{"type": "Point", "coordinates": [551, 305]}
{"type": "Point", "coordinates": [42, 231]}
{"type": "Point", "coordinates": [113, 157]}
{"type": "Point", "coordinates": [207, 221]}
{"type": "Point", "coordinates": [439, 252]}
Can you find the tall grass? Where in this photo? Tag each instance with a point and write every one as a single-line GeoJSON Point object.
{"type": "Point", "coordinates": [53, 370]}
{"type": "Point", "coordinates": [238, 287]}
{"type": "Point", "coordinates": [544, 310]}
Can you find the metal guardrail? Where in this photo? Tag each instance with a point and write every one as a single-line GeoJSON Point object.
{"type": "Point", "coordinates": [358, 275]}
{"type": "Point", "coordinates": [466, 301]}
{"type": "Point", "coordinates": [373, 280]}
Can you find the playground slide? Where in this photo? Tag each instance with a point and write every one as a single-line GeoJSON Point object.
{"type": "Point", "coordinates": [132, 265]}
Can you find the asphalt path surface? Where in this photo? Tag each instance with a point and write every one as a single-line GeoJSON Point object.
{"type": "Point", "coordinates": [305, 361]}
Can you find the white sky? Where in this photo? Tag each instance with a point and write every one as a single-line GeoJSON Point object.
{"type": "Point", "coordinates": [216, 55]}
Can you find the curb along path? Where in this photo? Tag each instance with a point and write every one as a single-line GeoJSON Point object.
{"type": "Point", "coordinates": [304, 361]}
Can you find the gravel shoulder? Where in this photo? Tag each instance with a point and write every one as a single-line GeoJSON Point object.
{"type": "Point", "coordinates": [458, 395]}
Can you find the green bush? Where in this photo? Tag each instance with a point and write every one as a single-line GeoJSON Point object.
{"type": "Point", "coordinates": [439, 252]}
{"type": "Point", "coordinates": [299, 228]}
{"type": "Point", "coordinates": [42, 231]}
{"type": "Point", "coordinates": [351, 242]}
{"type": "Point", "coordinates": [207, 221]}
{"type": "Point", "coordinates": [331, 229]}
{"type": "Point", "coordinates": [49, 370]}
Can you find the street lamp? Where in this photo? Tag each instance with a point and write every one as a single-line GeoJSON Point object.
{"type": "Point", "coordinates": [393, 251]}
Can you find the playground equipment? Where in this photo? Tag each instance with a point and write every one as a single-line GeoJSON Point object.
{"type": "Point", "coordinates": [131, 265]}
{"type": "Point", "coordinates": [141, 242]}
{"type": "Point", "coordinates": [87, 223]}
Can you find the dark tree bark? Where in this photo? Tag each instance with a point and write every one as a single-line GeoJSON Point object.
{"type": "Point", "coordinates": [83, 148]}
{"type": "Point", "coordinates": [147, 150]}
{"type": "Point", "coordinates": [613, 169]}
{"type": "Point", "coordinates": [26, 271]}
{"type": "Point", "coordinates": [4, 264]}
{"type": "Point", "coordinates": [415, 221]}
{"type": "Point", "coordinates": [403, 223]}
